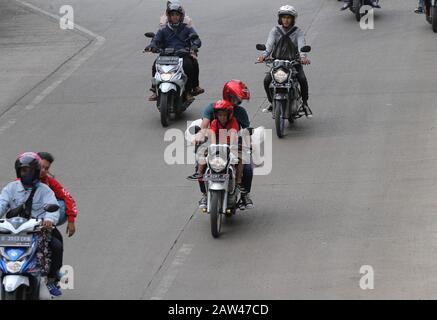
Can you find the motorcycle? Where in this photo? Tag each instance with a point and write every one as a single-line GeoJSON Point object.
{"type": "Point", "coordinates": [286, 93]}
{"type": "Point", "coordinates": [220, 177]}
{"type": "Point", "coordinates": [356, 8]}
{"type": "Point", "coordinates": [431, 13]}
{"type": "Point", "coordinates": [170, 80]}
{"type": "Point", "coordinates": [20, 274]}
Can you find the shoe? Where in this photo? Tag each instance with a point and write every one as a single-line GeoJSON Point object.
{"type": "Point", "coordinates": [153, 97]}
{"type": "Point", "coordinates": [189, 98]}
{"type": "Point", "coordinates": [54, 289]}
{"type": "Point", "coordinates": [418, 10]}
{"type": "Point", "coordinates": [245, 198]}
{"type": "Point", "coordinates": [197, 91]}
{"type": "Point", "coordinates": [268, 109]}
{"type": "Point", "coordinates": [375, 4]}
{"type": "Point", "coordinates": [346, 6]}
{"type": "Point", "coordinates": [203, 203]}
{"type": "Point", "coordinates": [195, 176]}
{"type": "Point", "coordinates": [307, 110]}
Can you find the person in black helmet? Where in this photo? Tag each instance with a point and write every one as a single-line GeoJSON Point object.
{"type": "Point", "coordinates": [175, 35]}
{"type": "Point", "coordinates": [12, 202]}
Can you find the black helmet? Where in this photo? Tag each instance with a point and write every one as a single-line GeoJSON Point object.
{"type": "Point", "coordinates": [32, 161]}
{"type": "Point", "coordinates": [175, 6]}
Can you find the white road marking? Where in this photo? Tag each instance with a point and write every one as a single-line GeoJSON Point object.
{"type": "Point", "coordinates": [98, 42]}
{"type": "Point", "coordinates": [172, 272]}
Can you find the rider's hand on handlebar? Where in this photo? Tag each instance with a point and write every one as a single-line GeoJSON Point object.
{"type": "Point", "coordinates": [305, 61]}
{"type": "Point", "coordinates": [47, 224]}
{"type": "Point", "coordinates": [261, 59]}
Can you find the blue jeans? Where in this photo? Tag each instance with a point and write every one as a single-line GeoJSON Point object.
{"type": "Point", "coordinates": [62, 214]}
{"type": "Point", "coordinates": [421, 4]}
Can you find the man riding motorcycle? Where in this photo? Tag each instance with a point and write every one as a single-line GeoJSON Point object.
{"type": "Point", "coordinates": [234, 91]}
{"type": "Point", "coordinates": [14, 196]}
{"type": "Point", "coordinates": [176, 35]}
{"type": "Point", "coordinates": [281, 44]}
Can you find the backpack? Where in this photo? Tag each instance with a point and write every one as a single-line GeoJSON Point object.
{"type": "Point", "coordinates": [285, 48]}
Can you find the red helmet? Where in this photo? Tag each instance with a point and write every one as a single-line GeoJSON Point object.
{"type": "Point", "coordinates": [235, 91]}
{"type": "Point", "coordinates": [224, 105]}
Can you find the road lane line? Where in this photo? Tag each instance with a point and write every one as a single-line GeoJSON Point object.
{"type": "Point", "coordinates": [98, 41]}
{"type": "Point", "coordinates": [173, 270]}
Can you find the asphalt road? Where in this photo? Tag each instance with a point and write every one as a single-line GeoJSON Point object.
{"type": "Point", "coordinates": [353, 186]}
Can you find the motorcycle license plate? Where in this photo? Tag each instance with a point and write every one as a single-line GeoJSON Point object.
{"type": "Point", "coordinates": [215, 177]}
{"type": "Point", "coordinates": [8, 240]}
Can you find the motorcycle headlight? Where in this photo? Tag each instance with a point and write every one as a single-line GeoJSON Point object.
{"type": "Point", "coordinates": [166, 76]}
{"type": "Point", "coordinates": [280, 76]}
{"type": "Point", "coordinates": [14, 266]}
{"type": "Point", "coordinates": [217, 164]}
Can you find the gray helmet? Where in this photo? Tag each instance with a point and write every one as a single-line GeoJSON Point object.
{"type": "Point", "coordinates": [287, 11]}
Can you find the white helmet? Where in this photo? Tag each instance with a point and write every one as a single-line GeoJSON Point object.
{"type": "Point", "coordinates": [287, 10]}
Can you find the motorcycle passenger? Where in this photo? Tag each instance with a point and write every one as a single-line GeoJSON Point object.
{"type": "Point", "coordinates": [68, 210]}
{"type": "Point", "coordinates": [234, 91]}
{"type": "Point", "coordinates": [224, 130]}
{"type": "Point", "coordinates": [15, 194]}
{"type": "Point", "coordinates": [176, 35]}
{"type": "Point", "coordinates": [282, 43]}
{"type": "Point", "coordinates": [420, 7]}
{"type": "Point", "coordinates": [348, 4]}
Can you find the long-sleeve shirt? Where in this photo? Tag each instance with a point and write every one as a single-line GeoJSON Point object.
{"type": "Point", "coordinates": [297, 37]}
{"type": "Point", "coordinates": [62, 194]}
{"type": "Point", "coordinates": [14, 195]}
{"type": "Point", "coordinates": [175, 38]}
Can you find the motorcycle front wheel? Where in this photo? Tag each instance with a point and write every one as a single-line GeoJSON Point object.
{"type": "Point", "coordinates": [356, 6]}
{"type": "Point", "coordinates": [215, 213]}
{"type": "Point", "coordinates": [279, 121]}
{"type": "Point", "coordinates": [165, 101]}
{"type": "Point", "coordinates": [434, 18]}
{"type": "Point", "coordinates": [18, 294]}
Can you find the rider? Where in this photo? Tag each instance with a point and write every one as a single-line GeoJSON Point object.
{"type": "Point", "coordinates": [15, 194]}
{"type": "Point", "coordinates": [348, 3]}
{"type": "Point", "coordinates": [68, 210]}
{"type": "Point", "coordinates": [176, 35]}
{"type": "Point", "coordinates": [224, 130]}
{"type": "Point", "coordinates": [234, 91]}
{"type": "Point", "coordinates": [281, 44]}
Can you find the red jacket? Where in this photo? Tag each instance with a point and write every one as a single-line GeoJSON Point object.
{"type": "Point", "coordinates": [62, 194]}
{"type": "Point", "coordinates": [216, 126]}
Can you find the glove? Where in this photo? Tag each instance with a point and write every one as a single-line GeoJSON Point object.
{"type": "Point", "coordinates": [16, 212]}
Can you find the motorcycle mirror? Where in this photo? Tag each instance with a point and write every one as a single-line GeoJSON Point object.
{"type": "Point", "coordinates": [305, 49]}
{"type": "Point", "coordinates": [260, 47]}
{"type": "Point", "coordinates": [149, 35]}
{"type": "Point", "coordinates": [51, 208]}
{"type": "Point", "coordinates": [194, 129]}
